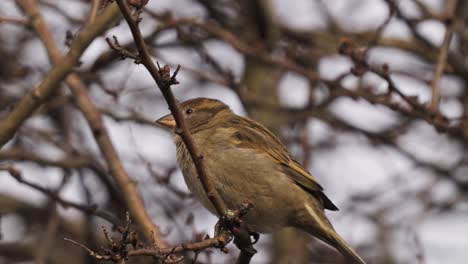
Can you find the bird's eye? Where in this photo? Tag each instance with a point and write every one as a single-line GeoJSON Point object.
{"type": "Point", "coordinates": [189, 111]}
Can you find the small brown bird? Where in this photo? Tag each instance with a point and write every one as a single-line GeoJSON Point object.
{"type": "Point", "coordinates": [246, 162]}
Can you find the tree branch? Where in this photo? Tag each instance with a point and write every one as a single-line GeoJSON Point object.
{"type": "Point", "coordinates": [442, 59]}
{"type": "Point", "coordinates": [133, 199]}
{"type": "Point", "coordinates": [164, 81]}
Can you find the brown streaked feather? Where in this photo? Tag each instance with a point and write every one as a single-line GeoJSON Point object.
{"type": "Point", "coordinates": [201, 104]}
{"type": "Point", "coordinates": [255, 136]}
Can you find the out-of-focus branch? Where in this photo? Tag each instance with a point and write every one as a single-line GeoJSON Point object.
{"type": "Point", "coordinates": [90, 209]}
{"type": "Point", "coordinates": [47, 239]}
{"type": "Point", "coordinates": [94, 11]}
{"type": "Point", "coordinates": [451, 23]}
{"type": "Point", "coordinates": [34, 213]}
{"type": "Point", "coordinates": [72, 161]}
{"type": "Point", "coordinates": [130, 117]}
{"type": "Point", "coordinates": [436, 119]}
{"type": "Point", "coordinates": [30, 102]}
{"type": "Point", "coordinates": [257, 53]}
{"type": "Point", "coordinates": [23, 251]}
{"type": "Point", "coordinates": [69, 162]}
{"type": "Point", "coordinates": [133, 200]}
{"type": "Point", "coordinates": [455, 61]}
{"type": "Point", "coordinates": [13, 20]}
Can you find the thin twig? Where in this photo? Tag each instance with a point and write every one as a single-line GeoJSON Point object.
{"type": "Point", "coordinates": [219, 241]}
{"type": "Point", "coordinates": [164, 81]}
{"type": "Point", "coordinates": [90, 252]}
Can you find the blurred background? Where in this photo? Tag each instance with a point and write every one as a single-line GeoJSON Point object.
{"type": "Point", "coordinates": [349, 85]}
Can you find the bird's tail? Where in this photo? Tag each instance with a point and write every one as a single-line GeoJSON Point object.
{"type": "Point", "coordinates": [323, 230]}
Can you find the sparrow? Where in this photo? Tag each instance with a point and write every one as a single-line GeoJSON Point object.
{"type": "Point", "coordinates": [247, 162]}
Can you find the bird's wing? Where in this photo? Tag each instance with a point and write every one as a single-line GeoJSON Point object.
{"type": "Point", "coordinates": [255, 136]}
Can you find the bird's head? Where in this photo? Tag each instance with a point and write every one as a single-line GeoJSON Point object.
{"type": "Point", "coordinates": [198, 112]}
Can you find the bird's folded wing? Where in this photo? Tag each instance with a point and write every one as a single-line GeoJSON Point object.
{"type": "Point", "coordinates": [253, 135]}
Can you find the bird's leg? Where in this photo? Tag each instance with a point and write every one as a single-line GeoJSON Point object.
{"type": "Point", "coordinates": [243, 242]}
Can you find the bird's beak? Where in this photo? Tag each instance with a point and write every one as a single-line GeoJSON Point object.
{"type": "Point", "coordinates": [167, 121]}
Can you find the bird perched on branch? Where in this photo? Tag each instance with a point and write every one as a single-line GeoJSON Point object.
{"type": "Point", "coordinates": [246, 162]}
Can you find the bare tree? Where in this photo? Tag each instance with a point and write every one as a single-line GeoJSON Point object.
{"type": "Point", "coordinates": [371, 96]}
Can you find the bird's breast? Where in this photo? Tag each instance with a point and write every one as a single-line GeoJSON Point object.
{"type": "Point", "coordinates": [240, 175]}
